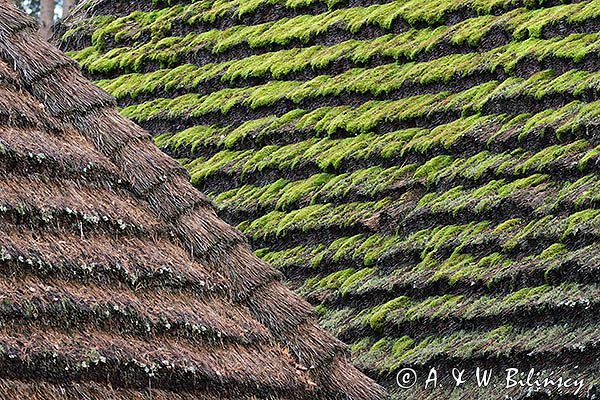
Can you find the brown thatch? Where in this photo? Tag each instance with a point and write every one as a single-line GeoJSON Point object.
{"type": "Point", "coordinates": [117, 278]}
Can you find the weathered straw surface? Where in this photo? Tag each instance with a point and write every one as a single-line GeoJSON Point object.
{"type": "Point", "coordinates": [424, 172]}
{"type": "Point", "coordinates": [117, 273]}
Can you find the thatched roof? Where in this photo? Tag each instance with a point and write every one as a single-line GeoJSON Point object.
{"type": "Point", "coordinates": [425, 172]}
{"type": "Point", "coordinates": [117, 278]}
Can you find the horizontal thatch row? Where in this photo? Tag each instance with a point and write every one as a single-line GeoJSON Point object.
{"type": "Point", "coordinates": [486, 257]}
{"type": "Point", "coordinates": [447, 313]}
{"type": "Point", "coordinates": [36, 390]}
{"type": "Point", "coordinates": [183, 315]}
{"type": "Point", "coordinates": [184, 14]}
{"type": "Point", "coordinates": [372, 184]}
{"type": "Point", "coordinates": [91, 355]}
{"type": "Point", "coordinates": [364, 274]}
{"type": "Point", "coordinates": [382, 216]}
{"type": "Point", "coordinates": [378, 57]}
{"type": "Point", "coordinates": [130, 261]}
{"type": "Point", "coordinates": [337, 161]}
{"type": "Point", "coordinates": [500, 345]}
{"type": "Point", "coordinates": [302, 103]}
{"type": "Point", "coordinates": [63, 199]}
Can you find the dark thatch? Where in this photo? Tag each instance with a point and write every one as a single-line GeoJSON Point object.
{"type": "Point", "coordinates": [425, 172]}
{"type": "Point", "coordinates": [117, 278]}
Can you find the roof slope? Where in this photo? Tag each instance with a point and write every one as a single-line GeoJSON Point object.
{"type": "Point", "coordinates": [423, 171]}
{"type": "Point", "coordinates": [117, 278]}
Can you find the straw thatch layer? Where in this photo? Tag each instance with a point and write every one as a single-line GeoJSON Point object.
{"type": "Point", "coordinates": [424, 172]}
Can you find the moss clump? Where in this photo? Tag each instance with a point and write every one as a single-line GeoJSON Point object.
{"type": "Point", "coordinates": [191, 139]}
{"type": "Point", "coordinates": [321, 310]}
{"type": "Point", "coordinates": [581, 221]}
{"type": "Point", "coordinates": [332, 281]}
{"type": "Point", "coordinates": [508, 226]}
{"type": "Point", "coordinates": [552, 154]}
{"type": "Point", "coordinates": [336, 279]}
{"type": "Point", "coordinates": [552, 251]}
{"type": "Point", "coordinates": [229, 162]}
{"type": "Point", "coordinates": [399, 349]}
{"type": "Point", "coordinates": [301, 255]}
{"type": "Point", "coordinates": [361, 345]}
{"type": "Point", "coordinates": [527, 293]}
{"type": "Point", "coordinates": [380, 314]}
{"type": "Point", "coordinates": [355, 279]}
{"type": "Point", "coordinates": [277, 224]}
{"type": "Point", "coordinates": [371, 354]}
{"type": "Point", "coordinates": [431, 168]}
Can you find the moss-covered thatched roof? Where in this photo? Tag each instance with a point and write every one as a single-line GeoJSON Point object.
{"type": "Point", "coordinates": [117, 278]}
{"type": "Point", "coordinates": [424, 172]}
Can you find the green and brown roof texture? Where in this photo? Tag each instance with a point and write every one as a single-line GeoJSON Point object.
{"type": "Point", "coordinates": [118, 281]}
{"type": "Point", "coordinates": [424, 172]}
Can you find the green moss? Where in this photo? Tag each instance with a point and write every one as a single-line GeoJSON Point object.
{"type": "Point", "coordinates": [581, 220]}
{"type": "Point", "coordinates": [192, 138]}
{"type": "Point", "coordinates": [552, 251]}
{"type": "Point", "coordinates": [371, 353]}
{"type": "Point", "coordinates": [502, 342]}
{"type": "Point", "coordinates": [334, 280]}
{"type": "Point", "coordinates": [361, 345]}
{"type": "Point", "coordinates": [401, 346]}
{"type": "Point", "coordinates": [472, 30]}
{"type": "Point", "coordinates": [332, 158]}
{"type": "Point", "coordinates": [157, 24]}
{"type": "Point", "coordinates": [399, 349]}
{"type": "Point", "coordinates": [485, 162]}
{"type": "Point", "coordinates": [201, 169]}
{"type": "Point", "coordinates": [525, 233]}
{"type": "Point", "coordinates": [168, 51]}
{"type": "Point", "coordinates": [189, 77]}
{"type": "Point", "coordinates": [591, 154]}
{"type": "Point", "coordinates": [433, 307]}
{"type": "Point", "coordinates": [583, 193]}
{"type": "Point", "coordinates": [379, 316]}
{"type": "Point", "coordinates": [321, 310]}
{"type": "Point", "coordinates": [458, 267]}
{"type": "Point", "coordinates": [249, 197]}
{"type": "Point", "coordinates": [375, 247]}
{"type": "Point", "coordinates": [355, 279]}
{"type": "Point", "coordinates": [300, 255]}
{"type": "Point", "coordinates": [89, 25]}
{"type": "Point", "coordinates": [508, 225]}
{"type": "Point", "coordinates": [405, 353]}
{"type": "Point", "coordinates": [429, 171]}
{"type": "Point", "coordinates": [527, 293]}
{"type": "Point", "coordinates": [345, 246]}
{"type": "Point", "coordinates": [532, 23]}
{"type": "Point", "coordinates": [552, 154]}
{"type": "Point", "coordinates": [312, 217]}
